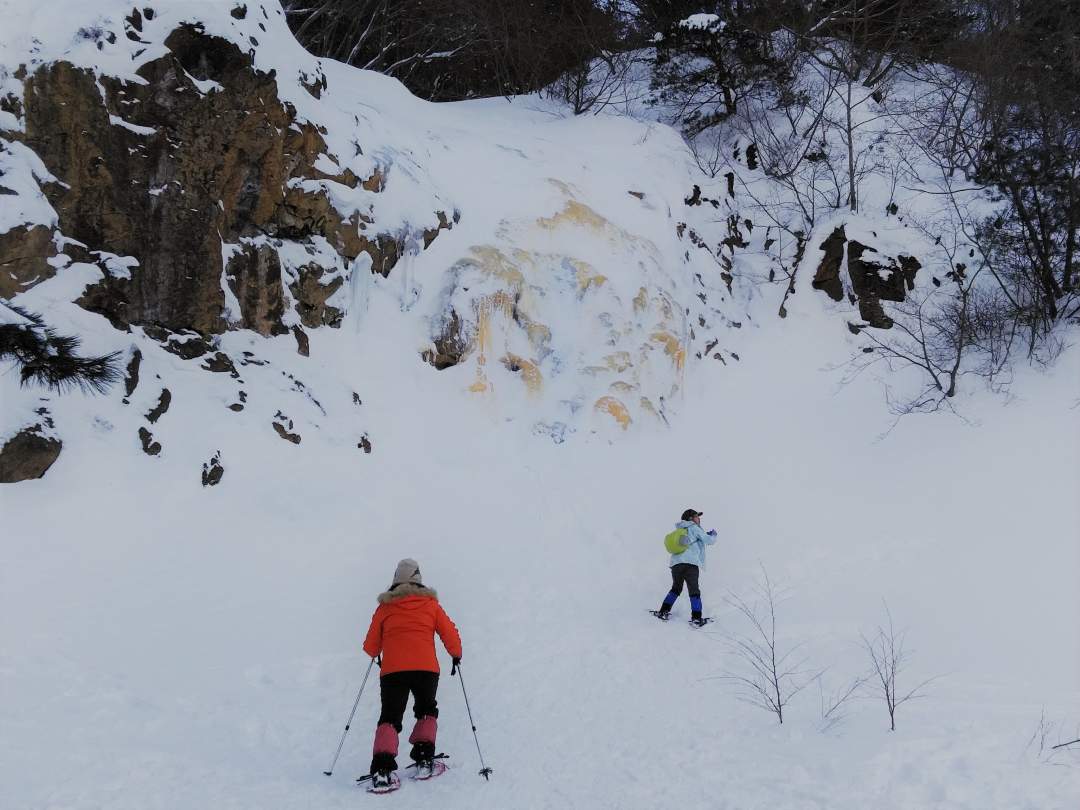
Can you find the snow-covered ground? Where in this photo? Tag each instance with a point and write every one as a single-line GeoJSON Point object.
{"type": "Point", "coordinates": [173, 646]}
{"type": "Point", "coordinates": [169, 645]}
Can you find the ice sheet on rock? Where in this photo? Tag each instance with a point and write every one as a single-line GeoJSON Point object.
{"type": "Point", "coordinates": [22, 172]}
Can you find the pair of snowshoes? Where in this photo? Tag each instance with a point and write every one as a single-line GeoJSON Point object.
{"type": "Point", "coordinates": [697, 621]}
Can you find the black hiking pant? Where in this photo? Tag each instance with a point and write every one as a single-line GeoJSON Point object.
{"type": "Point", "coordinates": [680, 574]}
{"type": "Point", "coordinates": [394, 689]}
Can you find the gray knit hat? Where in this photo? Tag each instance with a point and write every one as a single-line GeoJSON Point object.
{"type": "Point", "coordinates": [407, 571]}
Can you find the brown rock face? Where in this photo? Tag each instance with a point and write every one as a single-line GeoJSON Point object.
{"type": "Point", "coordinates": [169, 170]}
{"type": "Point", "coordinates": [888, 280]}
{"type": "Point", "coordinates": [106, 204]}
{"type": "Point", "coordinates": [303, 344]}
{"type": "Point", "coordinates": [311, 294]}
{"type": "Point", "coordinates": [450, 346]}
{"type": "Point", "coordinates": [283, 426]}
{"type": "Point", "coordinates": [24, 254]}
{"type": "Point", "coordinates": [827, 277]}
{"type": "Point", "coordinates": [872, 281]}
{"type": "Point", "coordinates": [149, 446]}
{"type": "Point", "coordinates": [213, 471]}
{"type": "Point", "coordinates": [162, 406]}
{"type": "Point", "coordinates": [28, 455]}
{"type": "Point", "coordinates": [254, 276]}
{"type": "Point", "coordinates": [131, 377]}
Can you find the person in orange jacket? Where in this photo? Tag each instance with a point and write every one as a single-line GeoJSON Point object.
{"type": "Point", "coordinates": [403, 631]}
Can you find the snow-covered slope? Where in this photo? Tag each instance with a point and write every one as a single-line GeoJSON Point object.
{"type": "Point", "coordinates": [174, 645]}
{"type": "Point", "coordinates": [544, 264]}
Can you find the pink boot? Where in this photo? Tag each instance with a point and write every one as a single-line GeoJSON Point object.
{"type": "Point", "coordinates": [384, 752]}
{"type": "Point", "coordinates": [423, 738]}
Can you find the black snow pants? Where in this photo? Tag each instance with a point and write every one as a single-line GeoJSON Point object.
{"type": "Point", "coordinates": [395, 689]}
{"type": "Point", "coordinates": [685, 572]}
{"type": "Point", "coordinates": [688, 574]}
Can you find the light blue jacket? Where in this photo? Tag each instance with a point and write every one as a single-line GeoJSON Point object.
{"type": "Point", "coordinates": [695, 541]}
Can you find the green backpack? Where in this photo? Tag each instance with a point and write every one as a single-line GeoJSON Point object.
{"type": "Point", "coordinates": [672, 544]}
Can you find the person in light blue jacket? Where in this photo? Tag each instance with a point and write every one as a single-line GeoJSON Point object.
{"type": "Point", "coordinates": [686, 565]}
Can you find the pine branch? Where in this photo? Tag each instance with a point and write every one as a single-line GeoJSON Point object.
{"type": "Point", "coordinates": [50, 360]}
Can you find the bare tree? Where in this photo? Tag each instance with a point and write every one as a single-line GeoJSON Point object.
{"type": "Point", "coordinates": [770, 673]}
{"type": "Point", "coordinates": [375, 34]}
{"type": "Point", "coordinates": [703, 66]}
{"type": "Point", "coordinates": [1042, 744]}
{"type": "Point", "coordinates": [944, 332]}
{"type": "Point", "coordinates": [1039, 742]}
{"type": "Point", "coordinates": [790, 130]}
{"type": "Point", "coordinates": [855, 47]}
{"type": "Point", "coordinates": [1030, 149]}
{"type": "Point", "coordinates": [835, 703]}
{"type": "Point", "coordinates": [998, 131]}
{"type": "Point", "coordinates": [889, 662]}
{"type": "Point", "coordinates": [710, 152]}
{"type": "Point", "coordinates": [986, 303]}
{"type": "Point", "coordinates": [600, 83]}
{"type": "Point", "coordinates": [452, 49]}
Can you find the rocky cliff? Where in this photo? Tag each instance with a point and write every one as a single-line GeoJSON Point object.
{"type": "Point", "coordinates": [176, 174]}
{"type": "Point", "coordinates": [184, 185]}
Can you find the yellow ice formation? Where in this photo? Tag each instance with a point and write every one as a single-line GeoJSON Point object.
{"type": "Point", "coordinates": [486, 308]}
{"type": "Point", "coordinates": [496, 264]}
{"type": "Point", "coordinates": [530, 372]}
{"type": "Point", "coordinates": [672, 347]}
{"type": "Point", "coordinates": [586, 278]}
{"type": "Point", "coordinates": [573, 213]}
{"type": "Point", "coordinates": [619, 361]}
{"type": "Point", "coordinates": [616, 409]}
{"type": "Point", "coordinates": [646, 405]}
{"type": "Point", "coordinates": [620, 329]}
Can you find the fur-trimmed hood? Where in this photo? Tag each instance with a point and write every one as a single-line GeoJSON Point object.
{"type": "Point", "coordinates": [406, 589]}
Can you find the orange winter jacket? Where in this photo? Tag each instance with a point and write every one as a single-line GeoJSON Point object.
{"type": "Point", "coordinates": [403, 629]}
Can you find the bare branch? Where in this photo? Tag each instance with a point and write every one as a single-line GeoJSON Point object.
{"type": "Point", "coordinates": [772, 675]}
{"type": "Point", "coordinates": [889, 660]}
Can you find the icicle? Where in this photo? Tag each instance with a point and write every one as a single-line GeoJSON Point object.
{"type": "Point", "coordinates": [361, 280]}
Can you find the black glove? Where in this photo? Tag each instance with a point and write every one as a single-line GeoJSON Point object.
{"type": "Point", "coordinates": [457, 662]}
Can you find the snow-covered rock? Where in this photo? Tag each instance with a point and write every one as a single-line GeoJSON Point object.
{"type": "Point", "coordinates": [864, 274]}
{"type": "Point", "coordinates": [31, 451]}
{"type": "Point", "coordinates": [203, 173]}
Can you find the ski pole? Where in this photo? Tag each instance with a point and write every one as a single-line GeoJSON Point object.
{"type": "Point", "coordinates": [484, 770]}
{"type": "Point", "coordinates": [351, 715]}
